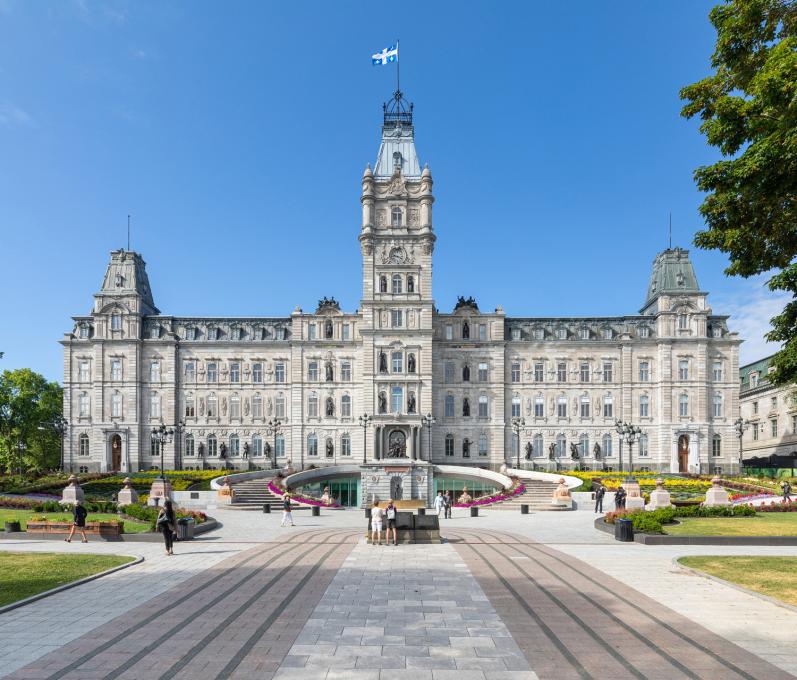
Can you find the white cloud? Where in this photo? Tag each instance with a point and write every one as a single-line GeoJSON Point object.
{"type": "Point", "coordinates": [11, 115]}
{"type": "Point", "coordinates": [750, 313]}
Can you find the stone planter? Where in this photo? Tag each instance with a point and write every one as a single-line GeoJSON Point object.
{"type": "Point", "coordinates": [97, 528]}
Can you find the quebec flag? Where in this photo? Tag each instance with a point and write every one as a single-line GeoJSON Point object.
{"type": "Point", "coordinates": [386, 56]}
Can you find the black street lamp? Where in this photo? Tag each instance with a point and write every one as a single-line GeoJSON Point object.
{"type": "Point", "coordinates": [740, 425]}
{"type": "Point", "coordinates": [274, 425]}
{"type": "Point", "coordinates": [517, 424]}
{"type": "Point", "coordinates": [161, 436]}
{"type": "Point", "coordinates": [365, 421]}
{"type": "Point", "coordinates": [429, 420]}
{"type": "Point", "coordinates": [630, 433]}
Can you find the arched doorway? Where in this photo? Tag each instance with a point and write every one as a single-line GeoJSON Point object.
{"type": "Point", "coordinates": [116, 453]}
{"type": "Point", "coordinates": [683, 453]}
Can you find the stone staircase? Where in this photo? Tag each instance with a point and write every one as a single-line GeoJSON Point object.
{"type": "Point", "coordinates": [538, 496]}
{"type": "Point", "coordinates": [253, 494]}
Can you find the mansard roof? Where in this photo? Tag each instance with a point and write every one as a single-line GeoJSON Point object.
{"type": "Point", "coordinates": [398, 142]}
{"type": "Point", "coordinates": [672, 274]}
{"type": "Point", "coordinates": [127, 275]}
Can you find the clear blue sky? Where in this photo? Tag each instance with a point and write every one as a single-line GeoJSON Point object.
{"type": "Point", "coordinates": [236, 135]}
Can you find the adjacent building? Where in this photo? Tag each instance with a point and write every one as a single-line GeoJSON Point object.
{"type": "Point", "coordinates": [252, 391]}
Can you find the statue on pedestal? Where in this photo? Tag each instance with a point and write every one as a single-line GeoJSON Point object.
{"type": "Point", "coordinates": [561, 496]}
{"type": "Point", "coordinates": [464, 497]}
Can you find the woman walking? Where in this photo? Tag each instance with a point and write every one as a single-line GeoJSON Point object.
{"type": "Point", "coordinates": [167, 524]}
{"type": "Point", "coordinates": [287, 515]}
{"type": "Point", "coordinates": [78, 522]}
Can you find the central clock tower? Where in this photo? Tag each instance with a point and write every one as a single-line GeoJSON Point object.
{"type": "Point", "coordinates": [397, 242]}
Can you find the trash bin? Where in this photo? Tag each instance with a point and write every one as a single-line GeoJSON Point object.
{"type": "Point", "coordinates": [316, 511]}
{"type": "Point", "coordinates": [624, 530]}
{"type": "Point", "coordinates": [474, 512]}
{"type": "Point", "coordinates": [421, 511]}
{"type": "Point", "coordinates": [267, 508]}
{"type": "Point", "coordinates": [13, 526]}
{"type": "Point", "coordinates": [185, 528]}
{"type": "Point", "coordinates": [524, 508]}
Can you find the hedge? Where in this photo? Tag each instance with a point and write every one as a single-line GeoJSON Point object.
{"type": "Point", "coordinates": [651, 522]}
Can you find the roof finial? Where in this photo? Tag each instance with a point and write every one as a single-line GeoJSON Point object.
{"type": "Point", "coordinates": [671, 230]}
{"type": "Point", "coordinates": [128, 233]}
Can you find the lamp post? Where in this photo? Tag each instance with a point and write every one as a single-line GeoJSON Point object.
{"type": "Point", "coordinates": [274, 426]}
{"type": "Point", "coordinates": [518, 423]}
{"type": "Point", "coordinates": [60, 425]}
{"type": "Point", "coordinates": [429, 420]}
{"type": "Point", "coordinates": [161, 436]}
{"type": "Point", "coordinates": [21, 447]}
{"type": "Point", "coordinates": [365, 420]}
{"type": "Point", "coordinates": [630, 433]}
{"type": "Point", "coordinates": [740, 425]}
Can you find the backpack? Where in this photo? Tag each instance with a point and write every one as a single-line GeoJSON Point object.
{"type": "Point", "coordinates": [391, 512]}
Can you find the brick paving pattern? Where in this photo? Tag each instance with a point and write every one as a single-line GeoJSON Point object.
{"type": "Point", "coordinates": [574, 621]}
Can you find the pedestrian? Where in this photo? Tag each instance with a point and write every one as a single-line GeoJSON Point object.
{"type": "Point", "coordinates": [447, 505]}
{"type": "Point", "coordinates": [439, 503]}
{"type": "Point", "coordinates": [600, 492]}
{"type": "Point", "coordinates": [287, 515]}
{"type": "Point", "coordinates": [623, 496]}
{"type": "Point", "coordinates": [78, 522]}
{"type": "Point", "coordinates": [167, 525]}
{"type": "Point", "coordinates": [390, 515]}
{"type": "Point", "coordinates": [376, 524]}
{"type": "Point", "coordinates": [786, 491]}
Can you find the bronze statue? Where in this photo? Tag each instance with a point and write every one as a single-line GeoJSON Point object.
{"type": "Point", "coordinates": [328, 329]}
{"type": "Point", "coordinates": [411, 403]}
{"type": "Point", "coordinates": [382, 362]}
{"type": "Point", "coordinates": [596, 451]}
{"type": "Point", "coordinates": [466, 448]}
{"type": "Point", "coordinates": [551, 451]}
{"type": "Point", "coordinates": [574, 452]}
{"type": "Point", "coordinates": [330, 371]}
{"type": "Point", "coordinates": [466, 373]}
{"type": "Point", "coordinates": [382, 403]}
{"type": "Point", "coordinates": [529, 451]}
{"type": "Point", "coordinates": [466, 407]}
{"type": "Point", "coordinates": [330, 448]}
{"type": "Point", "coordinates": [465, 329]}
{"type": "Point", "coordinates": [411, 363]}
{"type": "Point", "coordinates": [246, 449]}
{"type": "Point", "coordinates": [330, 409]}
{"type": "Point", "coordinates": [410, 284]}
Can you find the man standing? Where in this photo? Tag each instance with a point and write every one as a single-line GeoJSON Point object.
{"type": "Point", "coordinates": [600, 492]}
{"type": "Point", "coordinates": [786, 491]}
{"type": "Point", "coordinates": [287, 516]}
{"type": "Point", "coordinates": [447, 502]}
{"type": "Point", "coordinates": [439, 503]}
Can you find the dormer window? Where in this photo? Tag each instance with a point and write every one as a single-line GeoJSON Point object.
{"type": "Point", "coordinates": [213, 333]}
{"type": "Point", "coordinates": [585, 333]}
{"type": "Point", "coordinates": [607, 333]}
{"type": "Point", "coordinates": [539, 334]}
{"type": "Point", "coordinates": [561, 333]}
{"type": "Point", "coordinates": [190, 333]}
{"type": "Point", "coordinates": [280, 333]}
{"type": "Point", "coordinates": [516, 334]}
{"type": "Point", "coordinates": [395, 217]}
{"type": "Point", "coordinates": [716, 332]}
{"type": "Point", "coordinates": [116, 322]}
{"type": "Point", "coordinates": [154, 332]}
{"type": "Point", "coordinates": [84, 331]}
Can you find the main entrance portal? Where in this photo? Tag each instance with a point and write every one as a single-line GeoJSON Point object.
{"type": "Point", "coordinates": [116, 453]}
{"type": "Point", "coordinates": [683, 453]}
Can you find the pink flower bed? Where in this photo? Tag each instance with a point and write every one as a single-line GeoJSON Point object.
{"type": "Point", "coordinates": [304, 500]}
{"type": "Point", "coordinates": [505, 495]}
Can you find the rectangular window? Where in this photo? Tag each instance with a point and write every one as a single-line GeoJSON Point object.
{"type": "Point", "coordinates": [280, 333]}
{"type": "Point", "coordinates": [516, 408]}
{"type": "Point", "coordinates": [561, 372]}
{"type": "Point", "coordinates": [449, 409]}
{"type": "Point", "coordinates": [116, 406]}
{"type": "Point", "coordinates": [84, 331]}
{"type": "Point", "coordinates": [774, 403]}
{"type": "Point", "coordinates": [311, 331]}
{"type": "Point", "coordinates": [449, 445]}
{"type": "Point", "coordinates": [396, 399]}
{"type": "Point", "coordinates": [449, 372]}
{"type": "Point", "coordinates": [83, 405]}
{"type": "Point", "coordinates": [116, 322]}
{"type": "Point", "coordinates": [396, 318]}
{"type": "Point", "coordinates": [280, 445]}
{"type": "Point", "coordinates": [155, 371]}
{"type": "Point", "coordinates": [397, 361]}
{"type": "Point", "coordinates": [515, 372]}
{"type": "Point", "coordinates": [312, 371]}
{"type": "Point", "coordinates": [794, 424]}
{"type": "Point", "coordinates": [235, 372]}
{"type": "Point", "coordinates": [683, 322]}
{"type": "Point", "coordinates": [644, 371]}
{"type": "Point", "coordinates": [154, 405]}
{"type": "Point", "coordinates": [345, 406]}
{"type": "Point", "coordinates": [539, 407]}
{"type": "Point", "coordinates": [755, 408]}
{"type": "Point", "coordinates": [235, 407]}
{"type": "Point", "coordinates": [257, 407]}
{"type": "Point", "coordinates": [279, 372]}
{"type": "Point", "coordinates": [644, 407]}
{"type": "Point", "coordinates": [683, 406]}
{"type": "Point", "coordinates": [755, 431]}
{"type": "Point", "coordinates": [584, 372]}
{"type": "Point", "coordinates": [279, 407]}
{"type": "Point", "coordinates": [312, 407]}
{"type": "Point", "coordinates": [644, 332]}
{"type": "Point", "coordinates": [482, 372]}
{"type": "Point", "coordinates": [83, 371]}
{"type": "Point", "coordinates": [449, 332]}
{"type": "Point", "coordinates": [483, 407]}
{"type": "Point", "coordinates": [189, 371]}
{"type": "Point", "coordinates": [608, 371]}
{"type": "Point", "coordinates": [683, 369]}
{"type": "Point", "coordinates": [116, 369]}
{"type": "Point", "coordinates": [585, 408]}
{"type": "Point", "coordinates": [482, 331]}
{"type": "Point", "coordinates": [539, 372]}
{"type": "Point", "coordinates": [257, 372]}
{"type": "Point", "coordinates": [608, 407]}
{"type": "Point", "coordinates": [345, 331]}
{"type": "Point", "coordinates": [213, 375]}
{"type": "Point", "coordinates": [516, 334]}
{"type": "Point", "coordinates": [717, 371]}
{"type": "Point", "coordinates": [213, 411]}
{"type": "Point", "coordinates": [773, 424]}
{"type": "Point", "coordinates": [716, 446]}
{"type": "Point", "coordinates": [345, 446]}
{"type": "Point", "coordinates": [345, 371]}
{"type": "Point", "coordinates": [482, 444]}
{"type": "Point", "coordinates": [561, 408]}
{"type": "Point", "coordinates": [190, 411]}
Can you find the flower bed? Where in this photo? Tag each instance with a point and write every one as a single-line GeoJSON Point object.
{"type": "Point", "coordinates": [40, 525]}
{"type": "Point", "coordinates": [300, 498]}
{"type": "Point", "coordinates": [515, 490]}
{"type": "Point", "coordinates": [776, 506]}
{"type": "Point", "coordinates": [652, 521]}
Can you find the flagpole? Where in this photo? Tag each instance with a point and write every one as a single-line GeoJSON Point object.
{"type": "Point", "coordinates": [398, 68]}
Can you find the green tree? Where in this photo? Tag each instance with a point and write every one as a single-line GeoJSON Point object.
{"type": "Point", "coordinates": [748, 109]}
{"type": "Point", "coordinates": [29, 407]}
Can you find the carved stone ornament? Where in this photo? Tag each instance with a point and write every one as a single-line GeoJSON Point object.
{"type": "Point", "coordinates": [202, 406]}
{"type": "Point", "coordinates": [397, 186]}
{"type": "Point", "coordinates": [381, 218]}
{"type": "Point", "coordinates": [246, 406]}
{"type": "Point", "coordinates": [224, 406]}
{"type": "Point", "coordinates": [414, 217]}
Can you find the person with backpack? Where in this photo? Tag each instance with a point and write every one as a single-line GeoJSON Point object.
{"type": "Point", "coordinates": [167, 525]}
{"type": "Point", "coordinates": [447, 503]}
{"type": "Point", "coordinates": [390, 515]}
{"type": "Point", "coordinates": [287, 515]}
{"type": "Point", "coordinates": [78, 522]}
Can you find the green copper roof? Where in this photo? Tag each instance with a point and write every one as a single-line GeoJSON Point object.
{"type": "Point", "coordinates": [761, 367]}
{"type": "Point", "coordinates": [672, 273]}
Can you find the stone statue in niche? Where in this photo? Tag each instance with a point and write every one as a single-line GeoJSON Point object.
{"type": "Point", "coordinates": [410, 283]}
{"type": "Point", "coordinates": [329, 372]}
{"type": "Point", "coordinates": [465, 330]}
{"type": "Point", "coordinates": [330, 449]}
{"type": "Point", "coordinates": [596, 451]}
{"type": "Point", "coordinates": [528, 406]}
{"type": "Point", "coordinates": [246, 406]}
{"type": "Point", "coordinates": [411, 319]}
{"type": "Point", "coordinates": [414, 216]}
{"type": "Point", "coordinates": [267, 448]}
{"type": "Point", "coordinates": [466, 373]}
{"type": "Point", "coordinates": [529, 451]}
{"type": "Point", "coordinates": [396, 492]}
{"type": "Point", "coordinates": [383, 284]}
{"type": "Point", "coordinates": [466, 407]}
{"type": "Point", "coordinates": [118, 280]}
{"type": "Point", "coordinates": [382, 362]}
{"type": "Point", "coordinates": [202, 406]}
{"type": "Point", "coordinates": [222, 450]}
{"type": "Point", "coordinates": [328, 329]}
{"type": "Point", "coordinates": [411, 403]}
{"type": "Point", "coordinates": [382, 403]}
{"type": "Point", "coordinates": [381, 218]}
{"type": "Point", "coordinates": [551, 451]}
{"type": "Point", "coordinates": [411, 363]}
{"type": "Point", "coordinates": [383, 319]}
{"type": "Point", "coordinates": [269, 406]}
{"type": "Point", "coordinates": [466, 448]}
{"type": "Point", "coordinates": [330, 409]}
{"type": "Point", "coordinates": [224, 406]}
{"type": "Point", "coordinates": [397, 445]}
{"type": "Point", "coordinates": [246, 449]}
{"type": "Point", "coordinates": [574, 452]}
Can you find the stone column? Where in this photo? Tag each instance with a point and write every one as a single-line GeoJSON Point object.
{"type": "Point", "coordinates": [674, 458]}
{"type": "Point", "coordinates": [411, 444]}
{"type": "Point", "coordinates": [694, 452]}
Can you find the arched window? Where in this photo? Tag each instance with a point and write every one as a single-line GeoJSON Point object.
{"type": "Point", "coordinates": [482, 444]}
{"type": "Point", "coordinates": [395, 217]}
{"type": "Point", "coordinates": [83, 449]}
{"type": "Point", "coordinates": [683, 405]}
{"type": "Point", "coordinates": [449, 444]}
{"type": "Point", "coordinates": [235, 406]}
{"type": "Point", "coordinates": [449, 406]}
{"type": "Point", "coordinates": [312, 445]}
{"type": "Point", "coordinates": [280, 445]}
{"type": "Point", "coordinates": [607, 445]}
{"type": "Point", "coordinates": [213, 406]}
{"type": "Point", "coordinates": [212, 445]}
{"type": "Point", "coordinates": [718, 405]}
{"type": "Point", "coordinates": [716, 446]}
{"type": "Point", "coordinates": [345, 406]}
{"type": "Point", "coordinates": [257, 445]}
{"type": "Point", "coordinates": [466, 407]}
{"type": "Point", "coordinates": [345, 445]}
{"type": "Point", "coordinates": [643, 446]}
{"type": "Point", "coordinates": [312, 406]}
{"type": "Point", "coordinates": [257, 406]}
{"type": "Point", "coordinates": [189, 445]}
{"type": "Point", "coordinates": [396, 283]}
{"type": "Point", "coordinates": [583, 445]}
{"type": "Point", "coordinates": [561, 446]}
{"type": "Point", "coordinates": [537, 444]}
{"type": "Point", "coordinates": [235, 445]}
{"type": "Point", "coordinates": [410, 283]}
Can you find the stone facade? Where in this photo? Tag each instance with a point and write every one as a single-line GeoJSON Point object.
{"type": "Point", "coordinates": [223, 381]}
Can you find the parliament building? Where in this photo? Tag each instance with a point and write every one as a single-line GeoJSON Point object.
{"type": "Point", "coordinates": [251, 392]}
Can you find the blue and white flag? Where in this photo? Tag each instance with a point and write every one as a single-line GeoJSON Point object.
{"type": "Point", "coordinates": [386, 56]}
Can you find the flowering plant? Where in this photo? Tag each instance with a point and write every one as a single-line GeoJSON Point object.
{"type": "Point", "coordinates": [516, 489]}
{"type": "Point", "coordinates": [300, 498]}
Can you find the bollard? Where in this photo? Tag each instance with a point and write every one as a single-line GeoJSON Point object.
{"type": "Point", "coordinates": [524, 508]}
{"type": "Point", "coordinates": [316, 511]}
{"type": "Point", "coordinates": [421, 511]}
{"type": "Point", "coordinates": [368, 513]}
{"type": "Point", "coordinates": [474, 512]}
{"type": "Point", "coordinates": [267, 508]}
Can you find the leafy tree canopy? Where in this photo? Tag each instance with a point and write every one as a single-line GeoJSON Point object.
{"type": "Point", "coordinates": [748, 109]}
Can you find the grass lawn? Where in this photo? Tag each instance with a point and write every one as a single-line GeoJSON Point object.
{"type": "Point", "coordinates": [763, 524]}
{"type": "Point", "coordinates": [26, 574]}
{"type": "Point", "coordinates": [22, 516]}
{"type": "Point", "coordinates": [773, 576]}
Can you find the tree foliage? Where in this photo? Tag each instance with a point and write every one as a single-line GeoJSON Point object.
{"type": "Point", "coordinates": [29, 408]}
{"type": "Point", "coordinates": [748, 109]}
